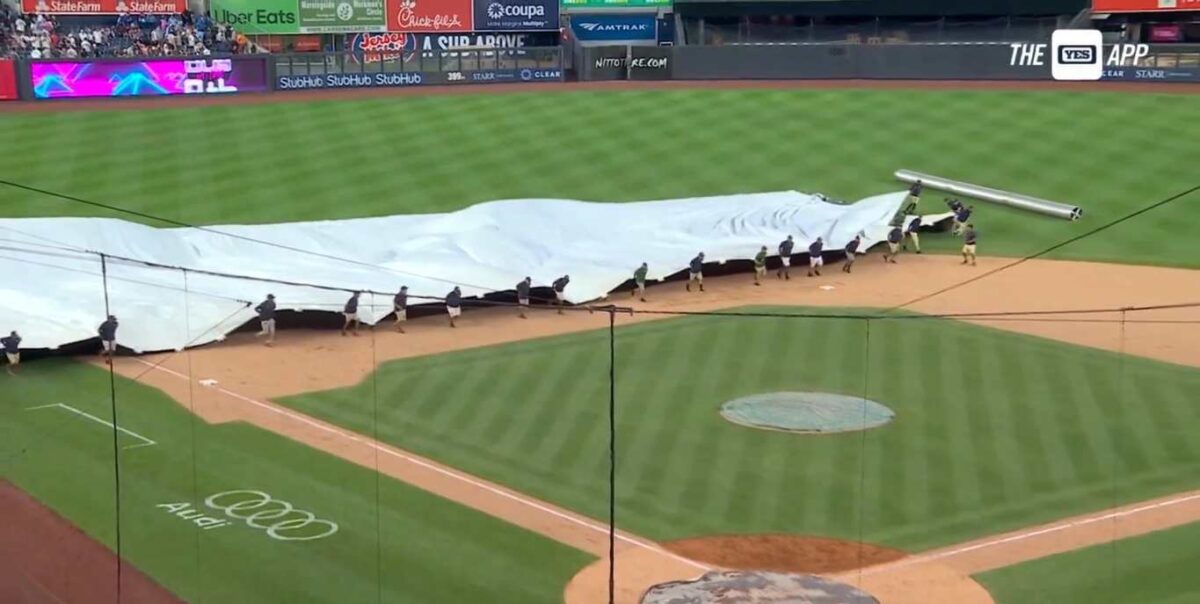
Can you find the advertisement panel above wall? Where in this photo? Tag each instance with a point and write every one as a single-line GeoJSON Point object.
{"type": "Point", "coordinates": [516, 15]}
{"type": "Point", "coordinates": [8, 80]}
{"type": "Point", "coordinates": [1141, 6]}
{"type": "Point", "coordinates": [154, 77]}
{"type": "Point", "coordinates": [430, 16]}
{"type": "Point", "coordinates": [377, 48]}
{"type": "Point", "coordinates": [613, 28]}
{"type": "Point", "coordinates": [586, 4]}
{"type": "Point", "coordinates": [332, 16]}
{"type": "Point", "coordinates": [258, 16]}
{"type": "Point", "coordinates": [102, 7]}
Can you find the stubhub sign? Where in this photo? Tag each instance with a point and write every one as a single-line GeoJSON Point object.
{"type": "Point", "coordinates": [348, 80]}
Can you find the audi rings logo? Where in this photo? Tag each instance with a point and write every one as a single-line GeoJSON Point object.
{"type": "Point", "coordinates": [278, 518]}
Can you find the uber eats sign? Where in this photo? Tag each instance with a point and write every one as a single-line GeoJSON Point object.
{"type": "Point", "coordinates": [301, 16]}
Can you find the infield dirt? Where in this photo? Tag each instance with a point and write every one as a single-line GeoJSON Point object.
{"type": "Point", "coordinates": [248, 375]}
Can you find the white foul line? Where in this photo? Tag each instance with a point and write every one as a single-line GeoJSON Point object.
{"type": "Point", "coordinates": [441, 470]}
{"type": "Point", "coordinates": [1053, 528]}
{"type": "Point", "coordinates": [146, 442]}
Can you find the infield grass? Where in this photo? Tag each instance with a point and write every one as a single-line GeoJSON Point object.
{"type": "Point", "coordinates": [395, 543]}
{"type": "Point", "coordinates": [994, 430]}
{"type": "Point", "coordinates": [1159, 567]}
{"type": "Point", "coordinates": [1111, 153]}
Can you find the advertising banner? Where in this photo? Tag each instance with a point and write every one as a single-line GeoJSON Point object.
{"type": "Point", "coordinates": [377, 48]}
{"type": "Point", "coordinates": [516, 15]}
{"type": "Point", "coordinates": [8, 80]}
{"type": "Point", "coordinates": [1165, 32]}
{"type": "Point", "coordinates": [258, 16]}
{"type": "Point", "coordinates": [340, 16]}
{"type": "Point", "coordinates": [1141, 6]}
{"type": "Point", "coordinates": [586, 4]}
{"type": "Point", "coordinates": [154, 77]}
{"type": "Point", "coordinates": [650, 63]}
{"type": "Point", "coordinates": [495, 76]}
{"type": "Point", "coordinates": [103, 7]}
{"type": "Point", "coordinates": [1149, 74]}
{"type": "Point", "coordinates": [430, 16]}
{"type": "Point", "coordinates": [613, 28]}
{"type": "Point", "coordinates": [349, 80]}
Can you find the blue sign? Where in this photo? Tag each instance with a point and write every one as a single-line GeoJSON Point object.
{"type": "Point", "coordinates": [593, 28]}
{"type": "Point", "coordinates": [516, 15]}
{"type": "Point", "coordinates": [348, 80]}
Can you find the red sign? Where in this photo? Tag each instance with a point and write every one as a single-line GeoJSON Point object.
{"type": "Point", "coordinates": [1142, 6]}
{"type": "Point", "coordinates": [430, 16]}
{"type": "Point", "coordinates": [1166, 33]}
{"type": "Point", "coordinates": [8, 80]}
{"type": "Point", "coordinates": [103, 7]}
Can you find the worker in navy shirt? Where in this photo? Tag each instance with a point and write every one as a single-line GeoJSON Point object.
{"type": "Point", "coordinates": [968, 250]}
{"type": "Point", "coordinates": [12, 350]}
{"type": "Point", "coordinates": [108, 338]}
{"type": "Point", "coordinates": [914, 225]}
{"type": "Point", "coordinates": [350, 312]}
{"type": "Point", "coordinates": [696, 271]}
{"type": "Point", "coordinates": [894, 237]}
{"type": "Point", "coordinates": [400, 305]}
{"type": "Point", "coordinates": [454, 304]}
{"type": "Point", "coordinates": [266, 317]}
{"type": "Point", "coordinates": [815, 261]}
{"type": "Point", "coordinates": [961, 216]}
{"type": "Point", "coordinates": [523, 295]}
{"type": "Point", "coordinates": [560, 286]}
{"type": "Point", "coordinates": [851, 253]}
{"type": "Point", "coordinates": [785, 258]}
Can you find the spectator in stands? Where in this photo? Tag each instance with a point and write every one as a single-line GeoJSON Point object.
{"type": "Point", "coordinates": [40, 37]}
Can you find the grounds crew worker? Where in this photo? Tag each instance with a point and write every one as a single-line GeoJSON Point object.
{"type": "Point", "coordinates": [914, 225]}
{"type": "Point", "coordinates": [559, 285]}
{"type": "Point", "coordinates": [108, 338]}
{"type": "Point", "coordinates": [968, 250]}
{"type": "Point", "coordinates": [639, 279]}
{"type": "Point", "coordinates": [785, 258]}
{"type": "Point", "coordinates": [266, 316]}
{"type": "Point", "coordinates": [961, 216]}
{"type": "Point", "coordinates": [815, 261]}
{"type": "Point", "coordinates": [695, 271]}
{"type": "Point", "coordinates": [851, 253]}
{"type": "Point", "coordinates": [350, 311]}
{"type": "Point", "coordinates": [523, 295]}
{"type": "Point", "coordinates": [12, 350]}
{"type": "Point", "coordinates": [454, 304]}
{"type": "Point", "coordinates": [760, 265]}
{"type": "Point", "coordinates": [400, 304]}
{"type": "Point", "coordinates": [894, 237]}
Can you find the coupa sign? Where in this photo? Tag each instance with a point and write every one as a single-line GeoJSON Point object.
{"type": "Point", "coordinates": [516, 15]}
{"type": "Point", "coordinates": [595, 28]}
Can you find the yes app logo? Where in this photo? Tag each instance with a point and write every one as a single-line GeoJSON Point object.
{"type": "Point", "coordinates": [1076, 54]}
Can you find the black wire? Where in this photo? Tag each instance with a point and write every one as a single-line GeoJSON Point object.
{"type": "Point", "coordinates": [612, 455]}
{"type": "Point", "coordinates": [1056, 246]}
{"type": "Point", "coordinates": [112, 393]}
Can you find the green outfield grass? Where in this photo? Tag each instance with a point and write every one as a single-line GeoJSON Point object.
{"type": "Point", "coordinates": [995, 431]}
{"type": "Point", "coordinates": [1109, 152]}
{"type": "Point", "coordinates": [1159, 568]}
{"type": "Point", "coordinates": [395, 543]}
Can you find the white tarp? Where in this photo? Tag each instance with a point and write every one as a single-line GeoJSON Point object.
{"type": "Point", "coordinates": [54, 296]}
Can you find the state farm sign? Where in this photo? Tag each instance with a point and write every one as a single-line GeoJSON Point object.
{"type": "Point", "coordinates": [102, 7]}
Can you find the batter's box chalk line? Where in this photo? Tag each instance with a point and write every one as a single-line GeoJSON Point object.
{"type": "Point", "coordinates": [146, 442]}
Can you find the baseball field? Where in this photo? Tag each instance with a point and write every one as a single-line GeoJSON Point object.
{"type": "Point", "coordinates": [1040, 444]}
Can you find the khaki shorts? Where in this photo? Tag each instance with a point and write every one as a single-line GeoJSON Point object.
{"type": "Point", "coordinates": [14, 358]}
{"type": "Point", "coordinates": [787, 260]}
{"type": "Point", "coordinates": [969, 249]}
{"type": "Point", "coordinates": [761, 270]}
{"type": "Point", "coordinates": [455, 311]}
{"type": "Point", "coordinates": [816, 261]}
{"type": "Point", "coordinates": [109, 345]}
{"type": "Point", "coordinates": [560, 296]}
{"type": "Point", "coordinates": [401, 314]}
{"type": "Point", "coordinates": [523, 301]}
{"type": "Point", "coordinates": [268, 326]}
{"type": "Point", "coordinates": [895, 247]}
{"type": "Point", "coordinates": [350, 316]}
{"type": "Point", "coordinates": [695, 276]}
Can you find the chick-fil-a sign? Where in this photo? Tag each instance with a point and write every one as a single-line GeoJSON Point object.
{"type": "Point", "coordinates": [430, 16]}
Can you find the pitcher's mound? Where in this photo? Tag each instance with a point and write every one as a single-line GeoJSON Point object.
{"type": "Point", "coordinates": [806, 412]}
{"type": "Point", "coordinates": [783, 553]}
{"type": "Point", "coordinates": [737, 587]}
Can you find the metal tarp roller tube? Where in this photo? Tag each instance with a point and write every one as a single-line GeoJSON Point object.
{"type": "Point", "coordinates": [1007, 198]}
